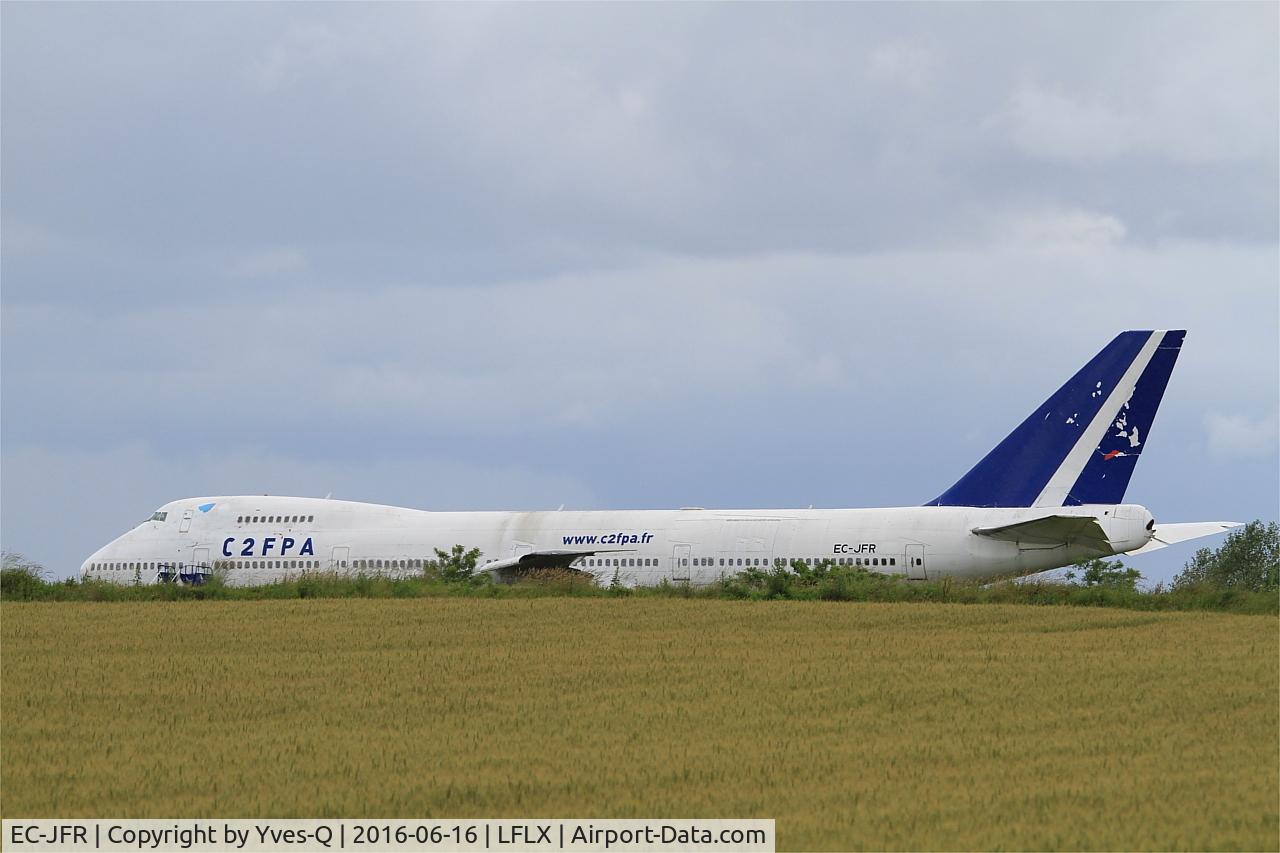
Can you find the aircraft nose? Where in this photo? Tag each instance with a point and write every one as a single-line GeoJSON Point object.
{"type": "Point", "coordinates": [87, 565]}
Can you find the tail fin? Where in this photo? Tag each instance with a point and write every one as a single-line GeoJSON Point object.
{"type": "Point", "coordinates": [1081, 445]}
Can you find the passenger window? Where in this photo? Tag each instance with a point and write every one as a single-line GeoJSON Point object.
{"type": "Point", "coordinates": [310, 518]}
{"type": "Point", "coordinates": [893, 561]}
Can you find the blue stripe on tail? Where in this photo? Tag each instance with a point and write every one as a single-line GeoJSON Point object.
{"type": "Point", "coordinates": [1017, 470]}
{"type": "Point", "coordinates": [1106, 476]}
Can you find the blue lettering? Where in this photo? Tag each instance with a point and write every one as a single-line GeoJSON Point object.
{"type": "Point", "coordinates": [286, 545]}
{"type": "Point", "coordinates": [226, 549]}
{"type": "Point", "coordinates": [266, 545]}
{"type": "Point", "coordinates": [307, 549]}
{"type": "Point", "coordinates": [248, 548]}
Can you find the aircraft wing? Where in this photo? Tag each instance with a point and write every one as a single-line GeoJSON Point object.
{"type": "Point", "coordinates": [1050, 530]}
{"type": "Point", "coordinates": [509, 569]}
{"type": "Point", "coordinates": [1169, 534]}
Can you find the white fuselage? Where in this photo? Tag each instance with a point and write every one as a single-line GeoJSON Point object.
{"type": "Point", "coordinates": [252, 540]}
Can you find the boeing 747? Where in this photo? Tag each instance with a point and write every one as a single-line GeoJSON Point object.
{"type": "Point", "coordinates": [1049, 495]}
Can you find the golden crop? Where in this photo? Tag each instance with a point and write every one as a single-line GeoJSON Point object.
{"type": "Point", "coordinates": [854, 725]}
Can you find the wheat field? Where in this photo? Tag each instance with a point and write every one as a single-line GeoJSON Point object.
{"type": "Point", "coordinates": [855, 726]}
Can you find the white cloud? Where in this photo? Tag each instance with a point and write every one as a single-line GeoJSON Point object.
{"type": "Point", "coordinates": [25, 239]}
{"type": "Point", "coordinates": [269, 262]}
{"type": "Point", "coordinates": [1207, 106]}
{"type": "Point", "coordinates": [303, 47]}
{"type": "Point", "coordinates": [1242, 437]}
{"type": "Point", "coordinates": [1057, 229]}
{"type": "Point", "coordinates": [908, 65]}
{"type": "Point", "coordinates": [1056, 126]}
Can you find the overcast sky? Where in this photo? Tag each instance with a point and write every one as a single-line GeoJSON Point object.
{"type": "Point", "coordinates": [620, 256]}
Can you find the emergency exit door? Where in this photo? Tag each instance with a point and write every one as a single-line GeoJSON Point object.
{"type": "Point", "coordinates": [680, 562]}
{"type": "Point", "coordinates": [915, 563]}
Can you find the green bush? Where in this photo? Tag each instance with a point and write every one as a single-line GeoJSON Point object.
{"type": "Point", "coordinates": [453, 575]}
{"type": "Point", "coordinates": [1249, 559]}
{"type": "Point", "coordinates": [20, 585]}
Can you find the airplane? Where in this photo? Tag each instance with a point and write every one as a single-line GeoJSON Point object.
{"type": "Point", "coordinates": [1049, 495]}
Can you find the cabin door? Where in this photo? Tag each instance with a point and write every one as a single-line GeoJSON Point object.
{"type": "Point", "coordinates": [200, 558]}
{"type": "Point", "coordinates": [341, 553]}
{"type": "Point", "coordinates": [680, 562]}
{"type": "Point", "coordinates": [915, 563]}
{"type": "Point", "coordinates": [186, 522]}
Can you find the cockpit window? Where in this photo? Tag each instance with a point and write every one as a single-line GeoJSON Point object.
{"type": "Point", "coordinates": [159, 516]}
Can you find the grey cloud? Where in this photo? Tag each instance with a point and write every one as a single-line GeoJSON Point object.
{"type": "Point", "coordinates": [589, 135]}
{"type": "Point", "coordinates": [646, 255]}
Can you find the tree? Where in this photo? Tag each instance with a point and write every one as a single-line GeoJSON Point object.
{"type": "Point", "coordinates": [457, 566]}
{"type": "Point", "coordinates": [1248, 559]}
{"type": "Point", "coordinates": [1099, 572]}
{"type": "Point", "coordinates": [13, 561]}
{"type": "Point", "coordinates": [20, 578]}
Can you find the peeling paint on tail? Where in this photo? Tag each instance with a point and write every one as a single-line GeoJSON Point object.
{"type": "Point", "coordinates": [1106, 476]}
{"type": "Point", "coordinates": [1040, 450]}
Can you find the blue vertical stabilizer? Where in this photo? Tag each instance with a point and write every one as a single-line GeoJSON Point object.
{"type": "Point", "coordinates": [1079, 446]}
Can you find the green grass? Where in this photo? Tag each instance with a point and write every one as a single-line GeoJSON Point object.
{"type": "Point", "coordinates": [855, 726]}
{"type": "Point", "coordinates": [828, 583]}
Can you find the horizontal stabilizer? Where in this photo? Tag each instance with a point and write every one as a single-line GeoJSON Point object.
{"type": "Point", "coordinates": [1171, 534]}
{"type": "Point", "coordinates": [1050, 530]}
